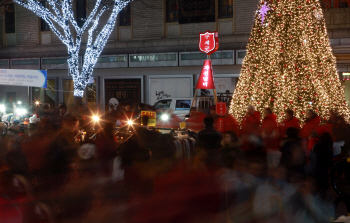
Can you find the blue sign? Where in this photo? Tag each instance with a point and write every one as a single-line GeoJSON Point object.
{"type": "Point", "coordinates": [31, 78]}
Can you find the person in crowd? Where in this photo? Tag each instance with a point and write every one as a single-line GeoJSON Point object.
{"type": "Point", "coordinates": [321, 162]}
{"type": "Point", "coordinates": [231, 144]}
{"type": "Point", "coordinates": [311, 124]}
{"type": "Point", "coordinates": [293, 155]}
{"type": "Point", "coordinates": [229, 122]}
{"type": "Point", "coordinates": [230, 149]}
{"type": "Point", "coordinates": [272, 198]}
{"type": "Point", "coordinates": [306, 205]}
{"type": "Point", "coordinates": [63, 110]}
{"type": "Point", "coordinates": [209, 138]}
{"type": "Point", "coordinates": [207, 146]}
{"type": "Point", "coordinates": [336, 125]}
{"type": "Point", "coordinates": [314, 138]}
{"type": "Point", "coordinates": [47, 110]}
{"type": "Point", "coordinates": [270, 135]}
{"type": "Point", "coordinates": [61, 152]}
{"type": "Point", "coordinates": [106, 147]}
{"type": "Point", "coordinates": [251, 122]}
{"type": "Point", "coordinates": [289, 122]}
{"type": "Point", "coordinates": [195, 121]}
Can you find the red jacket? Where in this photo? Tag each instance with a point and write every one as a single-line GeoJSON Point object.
{"type": "Point", "coordinates": [251, 124]}
{"type": "Point", "coordinates": [309, 127]}
{"type": "Point", "coordinates": [293, 123]}
{"type": "Point", "coordinates": [270, 132]}
{"type": "Point", "coordinates": [269, 124]}
{"type": "Point", "coordinates": [195, 122]}
{"type": "Point", "coordinates": [230, 124]}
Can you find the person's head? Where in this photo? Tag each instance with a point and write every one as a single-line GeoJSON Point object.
{"type": "Point", "coordinates": [62, 109]}
{"type": "Point", "coordinates": [250, 109]}
{"type": "Point", "coordinates": [292, 133]}
{"type": "Point", "coordinates": [193, 110]}
{"type": "Point", "coordinates": [46, 108]}
{"type": "Point", "coordinates": [289, 114]}
{"type": "Point", "coordinates": [127, 107]}
{"type": "Point", "coordinates": [230, 137]}
{"type": "Point", "coordinates": [208, 122]}
{"type": "Point", "coordinates": [267, 112]}
{"type": "Point", "coordinates": [310, 114]}
{"type": "Point", "coordinates": [326, 138]}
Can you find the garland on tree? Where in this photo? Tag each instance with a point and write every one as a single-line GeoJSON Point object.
{"type": "Point", "coordinates": [289, 63]}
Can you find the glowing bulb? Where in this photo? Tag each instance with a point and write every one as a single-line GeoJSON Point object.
{"type": "Point", "coordinates": [96, 118]}
{"type": "Point", "coordinates": [37, 103]}
{"type": "Point", "coordinates": [19, 102]}
{"type": "Point", "coordinates": [130, 122]}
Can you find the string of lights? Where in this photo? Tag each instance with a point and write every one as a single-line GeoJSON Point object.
{"type": "Point", "coordinates": [289, 63]}
{"type": "Point", "coordinates": [61, 19]}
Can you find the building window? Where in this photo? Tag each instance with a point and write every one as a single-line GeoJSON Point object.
{"type": "Point", "coordinates": [43, 25]}
{"type": "Point", "coordinates": [225, 9]}
{"type": "Point", "coordinates": [172, 11]}
{"type": "Point", "coordinates": [10, 22]}
{"type": "Point", "coordinates": [327, 4]}
{"type": "Point", "coordinates": [125, 16]}
{"type": "Point", "coordinates": [81, 12]}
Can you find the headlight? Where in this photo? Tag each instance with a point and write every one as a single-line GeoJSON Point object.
{"type": "Point", "coordinates": [96, 118]}
{"type": "Point", "coordinates": [2, 108]}
{"type": "Point", "coordinates": [164, 117]}
{"type": "Point", "coordinates": [130, 122]}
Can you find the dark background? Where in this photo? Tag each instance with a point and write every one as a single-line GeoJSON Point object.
{"type": "Point", "coordinates": [195, 11]}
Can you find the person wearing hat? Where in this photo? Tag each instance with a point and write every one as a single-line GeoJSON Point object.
{"type": "Point", "coordinates": [230, 123]}
{"type": "Point", "coordinates": [311, 124]}
{"type": "Point", "coordinates": [251, 122]}
{"type": "Point", "coordinates": [289, 122]}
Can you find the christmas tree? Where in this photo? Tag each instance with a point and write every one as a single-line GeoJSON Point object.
{"type": "Point", "coordinates": [289, 63]}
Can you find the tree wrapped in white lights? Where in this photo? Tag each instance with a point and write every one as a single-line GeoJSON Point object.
{"type": "Point", "coordinates": [62, 15]}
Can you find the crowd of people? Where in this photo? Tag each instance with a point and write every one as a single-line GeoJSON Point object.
{"type": "Point", "coordinates": [255, 171]}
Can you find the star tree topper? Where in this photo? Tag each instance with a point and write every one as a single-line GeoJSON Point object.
{"type": "Point", "coordinates": [263, 12]}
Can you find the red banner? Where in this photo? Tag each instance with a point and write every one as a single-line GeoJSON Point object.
{"type": "Point", "coordinates": [206, 79]}
{"type": "Point", "coordinates": [221, 125]}
{"type": "Point", "coordinates": [209, 42]}
{"type": "Point", "coordinates": [221, 108]}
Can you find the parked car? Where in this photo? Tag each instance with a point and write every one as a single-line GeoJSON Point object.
{"type": "Point", "coordinates": [181, 106]}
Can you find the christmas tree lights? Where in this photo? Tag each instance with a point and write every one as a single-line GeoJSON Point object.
{"type": "Point", "coordinates": [289, 63]}
{"type": "Point", "coordinates": [62, 22]}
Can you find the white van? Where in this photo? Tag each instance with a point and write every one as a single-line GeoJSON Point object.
{"type": "Point", "coordinates": [181, 106]}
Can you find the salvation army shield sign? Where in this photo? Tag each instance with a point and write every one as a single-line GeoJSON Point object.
{"type": "Point", "coordinates": [221, 108]}
{"type": "Point", "coordinates": [209, 42]}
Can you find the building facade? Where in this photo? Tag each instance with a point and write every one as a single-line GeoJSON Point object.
{"type": "Point", "coordinates": [152, 52]}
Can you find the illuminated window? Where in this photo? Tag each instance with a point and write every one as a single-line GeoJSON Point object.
{"type": "Point", "coordinates": [43, 25]}
{"type": "Point", "coordinates": [125, 16]}
{"type": "Point", "coordinates": [10, 21]}
{"type": "Point", "coordinates": [172, 11]}
{"type": "Point", "coordinates": [225, 9]}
